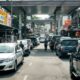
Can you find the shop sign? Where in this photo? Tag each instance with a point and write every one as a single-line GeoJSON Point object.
{"type": "Point", "coordinates": [67, 22]}
{"type": "Point", "coordinates": [8, 19]}
{"type": "Point", "coordinates": [3, 17]}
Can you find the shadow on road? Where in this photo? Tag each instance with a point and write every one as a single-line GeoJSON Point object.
{"type": "Point", "coordinates": [42, 53]}
{"type": "Point", "coordinates": [7, 74]}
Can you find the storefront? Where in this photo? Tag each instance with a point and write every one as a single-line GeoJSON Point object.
{"type": "Point", "coordinates": [5, 25]}
{"type": "Point", "coordinates": [75, 28]}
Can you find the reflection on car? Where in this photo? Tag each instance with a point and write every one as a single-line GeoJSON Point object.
{"type": "Point", "coordinates": [11, 55]}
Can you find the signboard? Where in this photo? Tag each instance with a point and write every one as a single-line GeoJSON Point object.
{"type": "Point", "coordinates": [67, 22]}
{"type": "Point", "coordinates": [8, 19]}
{"type": "Point", "coordinates": [3, 17]}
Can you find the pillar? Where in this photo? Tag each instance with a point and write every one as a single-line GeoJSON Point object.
{"type": "Point", "coordinates": [20, 25]}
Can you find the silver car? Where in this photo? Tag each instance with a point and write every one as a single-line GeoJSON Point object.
{"type": "Point", "coordinates": [11, 55]}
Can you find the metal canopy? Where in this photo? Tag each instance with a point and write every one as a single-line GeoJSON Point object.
{"type": "Point", "coordinates": [41, 2]}
{"type": "Point", "coordinates": [40, 6]}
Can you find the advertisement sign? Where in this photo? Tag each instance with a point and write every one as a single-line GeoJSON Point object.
{"type": "Point", "coordinates": [66, 22]}
{"type": "Point", "coordinates": [3, 17]}
{"type": "Point", "coordinates": [8, 19]}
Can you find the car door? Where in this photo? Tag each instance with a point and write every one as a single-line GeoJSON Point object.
{"type": "Point", "coordinates": [74, 61]}
{"type": "Point", "coordinates": [18, 54]}
{"type": "Point", "coordinates": [78, 61]}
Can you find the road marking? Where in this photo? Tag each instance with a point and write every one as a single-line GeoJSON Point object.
{"type": "Point", "coordinates": [25, 77]}
{"type": "Point", "coordinates": [30, 64]}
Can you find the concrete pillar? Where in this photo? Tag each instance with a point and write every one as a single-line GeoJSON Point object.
{"type": "Point", "coordinates": [20, 25]}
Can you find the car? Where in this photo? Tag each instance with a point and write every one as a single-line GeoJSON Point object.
{"type": "Point", "coordinates": [42, 39]}
{"type": "Point", "coordinates": [75, 64]}
{"type": "Point", "coordinates": [11, 55]}
{"type": "Point", "coordinates": [34, 41]}
{"type": "Point", "coordinates": [56, 39]}
{"type": "Point", "coordinates": [26, 49]}
{"type": "Point", "coordinates": [66, 46]}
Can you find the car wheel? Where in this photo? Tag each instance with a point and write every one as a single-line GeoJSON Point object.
{"type": "Point", "coordinates": [59, 54]}
{"type": "Point", "coordinates": [15, 66]}
{"type": "Point", "coordinates": [56, 52]}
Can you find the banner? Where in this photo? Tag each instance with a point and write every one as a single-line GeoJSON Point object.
{"type": "Point", "coordinates": [3, 17]}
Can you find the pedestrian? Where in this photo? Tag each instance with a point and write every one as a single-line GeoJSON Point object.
{"type": "Point", "coordinates": [28, 46]}
{"type": "Point", "coordinates": [45, 44]}
{"type": "Point", "coordinates": [21, 45]}
{"type": "Point", "coordinates": [51, 45]}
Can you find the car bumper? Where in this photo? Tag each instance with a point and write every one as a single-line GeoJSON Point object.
{"type": "Point", "coordinates": [7, 66]}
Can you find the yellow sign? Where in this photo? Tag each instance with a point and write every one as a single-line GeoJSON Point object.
{"type": "Point", "coordinates": [3, 17]}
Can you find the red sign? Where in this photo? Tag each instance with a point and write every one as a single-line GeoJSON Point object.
{"type": "Point", "coordinates": [67, 22]}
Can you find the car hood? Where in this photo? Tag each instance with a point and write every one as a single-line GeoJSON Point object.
{"type": "Point", "coordinates": [6, 55]}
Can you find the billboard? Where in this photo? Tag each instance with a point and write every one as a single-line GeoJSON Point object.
{"type": "Point", "coordinates": [5, 18]}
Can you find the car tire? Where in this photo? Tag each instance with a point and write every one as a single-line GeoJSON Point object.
{"type": "Point", "coordinates": [15, 66]}
{"type": "Point", "coordinates": [59, 54]}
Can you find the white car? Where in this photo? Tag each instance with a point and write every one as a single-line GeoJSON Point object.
{"type": "Point", "coordinates": [11, 55]}
{"type": "Point", "coordinates": [27, 45]}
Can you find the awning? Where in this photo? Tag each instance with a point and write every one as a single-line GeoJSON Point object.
{"type": "Point", "coordinates": [4, 27]}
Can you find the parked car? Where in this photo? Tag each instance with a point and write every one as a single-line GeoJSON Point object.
{"type": "Point", "coordinates": [11, 55]}
{"type": "Point", "coordinates": [34, 41]}
{"type": "Point", "coordinates": [66, 46]}
{"type": "Point", "coordinates": [56, 39]}
{"type": "Point", "coordinates": [31, 44]}
{"type": "Point", "coordinates": [75, 64]}
{"type": "Point", "coordinates": [42, 39]}
{"type": "Point", "coordinates": [26, 49]}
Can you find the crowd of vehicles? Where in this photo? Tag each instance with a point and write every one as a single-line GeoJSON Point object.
{"type": "Point", "coordinates": [12, 54]}
{"type": "Point", "coordinates": [67, 46]}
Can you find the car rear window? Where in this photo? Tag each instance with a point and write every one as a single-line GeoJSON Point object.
{"type": "Point", "coordinates": [69, 42]}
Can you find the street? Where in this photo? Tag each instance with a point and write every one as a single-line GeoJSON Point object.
{"type": "Point", "coordinates": [40, 65]}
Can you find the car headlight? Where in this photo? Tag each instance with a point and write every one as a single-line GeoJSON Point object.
{"type": "Point", "coordinates": [9, 59]}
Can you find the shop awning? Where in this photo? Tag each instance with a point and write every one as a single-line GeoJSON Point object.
{"type": "Point", "coordinates": [4, 27]}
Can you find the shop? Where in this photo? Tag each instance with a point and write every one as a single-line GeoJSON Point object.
{"type": "Point", "coordinates": [74, 31]}
{"type": "Point", "coordinates": [5, 26]}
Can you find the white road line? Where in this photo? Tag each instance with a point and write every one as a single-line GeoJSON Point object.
{"type": "Point", "coordinates": [25, 77]}
{"type": "Point", "coordinates": [30, 64]}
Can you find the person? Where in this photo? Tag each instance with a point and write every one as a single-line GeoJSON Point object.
{"type": "Point", "coordinates": [21, 45]}
{"type": "Point", "coordinates": [51, 44]}
{"type": "Point", "coordinates": [45, 44]}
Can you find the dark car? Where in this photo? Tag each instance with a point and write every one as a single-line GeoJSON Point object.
{"type": "Point", "coordinates": [75, 64]}
{"type": "Point", "coordinates": [66, 46]}
{"type": "Point", "coordinates": [56, 39]}
{"type": "Point", "coordinates": [34, 41]}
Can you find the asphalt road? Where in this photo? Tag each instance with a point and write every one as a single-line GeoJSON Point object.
{"type": "Point", "coordinates": [40, 65]}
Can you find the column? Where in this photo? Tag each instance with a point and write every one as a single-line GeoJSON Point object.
{"type": "Point", "coordinates": [20, 25]}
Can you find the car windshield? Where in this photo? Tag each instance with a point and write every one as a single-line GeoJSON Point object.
{"type": "Point", "coordinates": [6, 49]}
{"type": "Point", "coordinates": [69, 42]}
